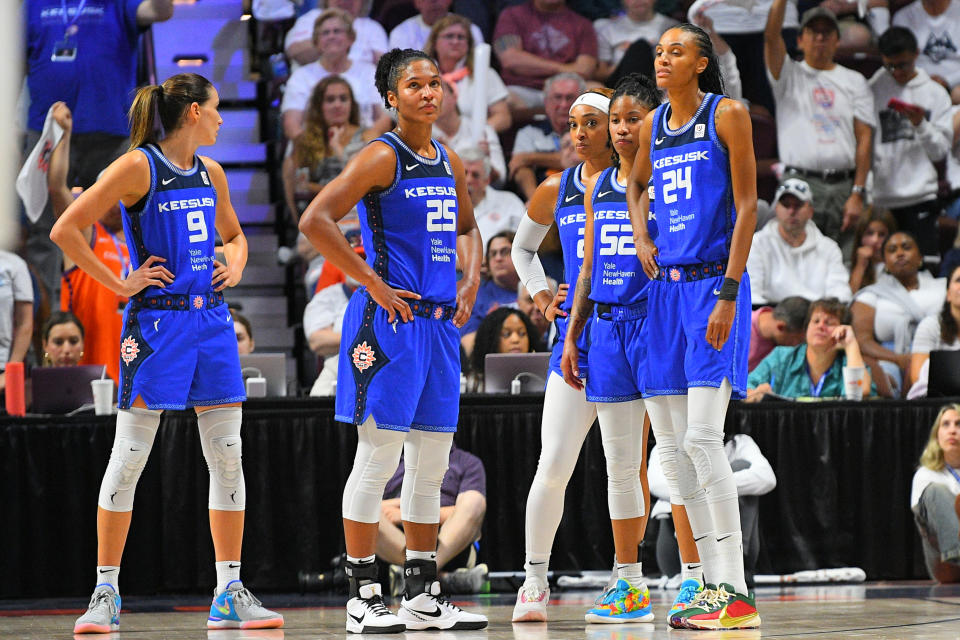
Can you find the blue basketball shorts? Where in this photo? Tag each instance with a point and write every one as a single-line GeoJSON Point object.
{"type": "Point", "coordinates": [406, 374]}
{"type": "Point", "coordinates": [618, 353]}
{"type": "Point", "coordinates": [678, 354]}
{"type": "Point", "coordinates": [583, 343]}
{"type": "Point", "coordinates": [179, 351]}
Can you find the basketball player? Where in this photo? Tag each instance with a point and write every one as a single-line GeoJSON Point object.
{"type": "Point", "coordinates": [400, 385]}
{"type": "Point", "coordinates": [567, 415]}
{"type": "Point", "coordinates": [612, 278]}
{"type": "Point", "coordinates": [702, 174]}
{"type": "Point", "coordinates": [174, 202]}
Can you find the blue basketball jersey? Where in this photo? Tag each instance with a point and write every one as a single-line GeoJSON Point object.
{"type": "Point", "coordinates": [410, 228]}
{"type": "Point", "coordinates": [570, 218]}
{"type": "Point", "coordinates": [175, 221]}
{"type": "Point", "coordinates": [691, 182]}
{"type": "Point", "coordinates": [617, 276]}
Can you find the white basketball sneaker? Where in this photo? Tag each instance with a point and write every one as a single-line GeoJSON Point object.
{"type": "Point", "coordinates": [430, 610]}
{"type": "Point", "coordinates": [367, 614]}
{"type": "Point", "coordinates": [531, 602]}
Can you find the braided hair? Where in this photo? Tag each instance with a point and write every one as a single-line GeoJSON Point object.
{"type": "Point", "coordinates": [711, 80]}
{"type": "Point", "coordinates": [639, 87]}
{"type": "Point", "coordinates": [391, 66]}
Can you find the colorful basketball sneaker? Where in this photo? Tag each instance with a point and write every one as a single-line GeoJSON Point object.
{"type": "Point", "coordinates": [531, 602]}
{"type": "Point", "coordinates": [689, 590]}
{"type": "Point", "coordinates": [237, 608]}
{"type": "Point", "coordinates": [103, 612]}
{"type": "Point", "coordinates": [625, 603]}
{"type": "Point", "coordinates": [720, 608]}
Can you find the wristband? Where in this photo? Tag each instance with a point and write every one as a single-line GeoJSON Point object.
{"type": "Point", "coordinates": [729, 290]}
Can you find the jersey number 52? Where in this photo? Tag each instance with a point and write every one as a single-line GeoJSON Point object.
{"type": "Point", "coordinates": [441, 215]}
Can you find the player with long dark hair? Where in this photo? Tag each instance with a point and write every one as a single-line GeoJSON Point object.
{"type": "Point", "coordinates": [399, 381]}
{"type": "Point", "coordinates": [696, 155]}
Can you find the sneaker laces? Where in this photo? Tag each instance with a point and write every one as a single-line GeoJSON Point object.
{"type": "Point", "coordinates": [533, 592]}
{"type": "Point", "coordinates": [244, 597]}
{"type": "Point", "coordinates": [101, 598]}
{"type": "Point", "coordinates": [711, 597]}
{"type": "Point", "coordinates": [376, 606]}
{"type": "Point", "coordinates": [444, 602]}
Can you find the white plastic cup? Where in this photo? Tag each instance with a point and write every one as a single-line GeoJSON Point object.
{"type": "Point", "coordinates": [102, 396]}
{"type": "Point", "coordinates": [256, 387]}
{"type": "Point", "coordinates": [852, 378]}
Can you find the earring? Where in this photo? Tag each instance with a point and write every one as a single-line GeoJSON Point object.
{"type": "Point", "coordinates": [81, 354]}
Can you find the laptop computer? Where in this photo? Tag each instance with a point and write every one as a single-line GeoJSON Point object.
{"type": "Point", "coordinates": [944, 378]}
{"type": "Point", "coordinates": [272, 366]}
{"type": "Point", "coordinates": [63, 389]}
{"type": "Point", "coordinates": [500, 369]}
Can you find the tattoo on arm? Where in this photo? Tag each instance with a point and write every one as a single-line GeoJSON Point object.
{"type": "Point", "coordinates": [583, 305]}
{"type": "Point", "coordinates": [509, 41]}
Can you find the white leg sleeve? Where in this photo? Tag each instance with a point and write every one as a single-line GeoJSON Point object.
{"type": "Point", "coordinates": [136, 429]}
{"type": "Point", "coordinates": [426, 455]}
{"type": "Point", "coordinates": [621, 428]}
{"type": "Point", "coordinates": [376, 460]}
{"type": "Point", "coordinates": [567, 417]}
{"type": "Point", "coordinates": [222, 449]}
{"type": "Point", "coordinates": [664, 412]}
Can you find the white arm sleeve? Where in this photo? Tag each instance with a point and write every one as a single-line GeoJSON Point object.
{"type": "Point", "coordinates": [524, 253]}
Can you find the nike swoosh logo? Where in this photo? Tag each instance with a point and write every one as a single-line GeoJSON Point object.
{"type": "Point", "coordinates": [105, 570]}
{"type": "Point", "coordinates": [716, 292]}
{"type": "Point", "coordinates": [603, 193]}
{"type": "Point", "coordinates": [411, 167]}
{"type": "Point", "coordinates": [699, 539]}
{"type": "Point", "coordinates": [734, 621]}
{"type": "Point", "coordinates": [233, 566]}
{"type": "Point", "coordinates": [359, 619]}
{"type": "Point", "coordinates": [167, 181]}
{"type": "Point", "coordinates": [536, 563]}
{"type": "Point", "coordinates": [135, 450]}
{"type": "Point", "coordinates": [155, 323]}
{"type": "Point", "coordinates": [230, 444]}
{"type": "Point", "coordinates": [569, 198]}
{"type": "Point", "coordinates": [436, 613]}
{"type": "Point", "coordinates": [723, 538]}
{"type": "Point", "coordinates": [224, 608]}
{"type": "Point", "coordinates": [659, 140]}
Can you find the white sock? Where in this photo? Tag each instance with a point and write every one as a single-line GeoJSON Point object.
{"type": "Point", "coordinates": [632, 572]}
{"type": "Point", "coordinates": [365, 560]}
{"type": "Point", "coordinates": [536, 567]}
{"type": "Point", "coordinates": [108, 575]}
{"type": "Point", "coordinates": [227, 572]}
{"type": "Point", "coordinates": [692, 570]}
{"type": "Point", "coordinates": [730, 560]}
{"type": "Point", "coordinates": [421, 555]}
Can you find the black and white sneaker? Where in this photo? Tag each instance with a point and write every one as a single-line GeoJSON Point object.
{"type": "Point", "coordinates": [430, 610]}
{"type": "Point", "coordinates": [367, 613]}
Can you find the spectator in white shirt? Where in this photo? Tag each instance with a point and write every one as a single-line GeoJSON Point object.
{"type": "Point", "coordinates": [915, 131]}
{"type": "Point", "coordinates": [333, 35]}
{"type": "Point", "coordinates": [454, 130]}
{"type": "Point", "coordinates": [537, 146]}
{"type": "Point", "coordinates": [494, 210]}
{"type": "Point", "coordinates": [637, 31]}
{"type": "Point", "coordinates": [936, 333]}
{"type": "Point", "coordinates": [16, 310]}
{"type": "Point", "coordinates": [412, 33]}
{"type": "Point", "coordinates": [933, 496]}
{"type": "Point", "coordinates": [370, 44]}
{"type": "Point", "coordinates": [936, 24]}
{"type": "Point", "coordinates": [825, 119]}
{"type": "Point", "coordinates": [791, 257]}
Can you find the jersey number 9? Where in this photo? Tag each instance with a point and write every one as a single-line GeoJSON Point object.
{"type": "Point", "coordinates": [197, 223]}
{"type": "Point", "coordinates": [441, 216]}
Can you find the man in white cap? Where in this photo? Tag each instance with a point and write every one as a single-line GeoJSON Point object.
{"type": "Point", "coordinates": [791, 257]}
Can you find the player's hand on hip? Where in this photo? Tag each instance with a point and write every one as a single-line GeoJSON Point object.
{"type": "Point", "coordinates": [149, 274]}
{"type": "Point", "coordinates": [392, 300]}
{"type": "Point", "coordinates": [720, 322]}
{"type": "Point", "coordinates": [466, 297]}
{"type": "Point", "coordinates": [224, 276]}
{"type": "Point", "coordinates": [647, 255]}
{"type": "Point", "coordinates": [553, 309]}
{"type": "Point", "coordinates": [570, 365]}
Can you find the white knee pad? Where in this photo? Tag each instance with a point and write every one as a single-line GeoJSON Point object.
{"type": "Point", "coordinates": [222, 449]}
{"type": "Point", "coordinates": [425, 459]}
{"type": "Point", "coordinates": [621, 428]}
{"type": "Point", "coordinates": [376, 460]}
{"type": "Point", "coordinates": [136, 429]}
{"type": "Point", "coordinates": [704, 445]}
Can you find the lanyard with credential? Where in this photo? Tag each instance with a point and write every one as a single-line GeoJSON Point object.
{"type": "Point", "coordinates": [68, 24]}
{"type": "Point", "coordinates": [953, 472]}
{"type": "Point", "coordinates": [124, 261]}
{"type": "Point", "coordinates": [815, 390]}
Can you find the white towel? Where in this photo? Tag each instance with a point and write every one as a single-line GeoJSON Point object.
{"type": "Point", "coordinates": [702, 5]}
{"type": "Point", "coordinates": [32, 180]}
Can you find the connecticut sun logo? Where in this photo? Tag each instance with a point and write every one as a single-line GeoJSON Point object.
{"type": "Point", "coordinates": [438, 313]}
{"type": "Point", "coordinates": [198, 302]}
{"type": "Point", "coordinates": [129, 349]}
{"type": "Point", "coordinates": [675, 275]}
{"type": "Point", "coordinates": [363, 357]}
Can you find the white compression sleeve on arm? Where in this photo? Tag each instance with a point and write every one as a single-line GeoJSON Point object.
{"type": "Point", "coordinates": [524, 253]}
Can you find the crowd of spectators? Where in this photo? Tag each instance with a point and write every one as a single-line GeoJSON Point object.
{"type": "Point", "coordinates": [867, 122]}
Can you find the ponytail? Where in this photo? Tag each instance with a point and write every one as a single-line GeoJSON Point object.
{"type": "Point", "coordinates": [166, 103]}
{"type": "Point", "coordinates": [710, 80]}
